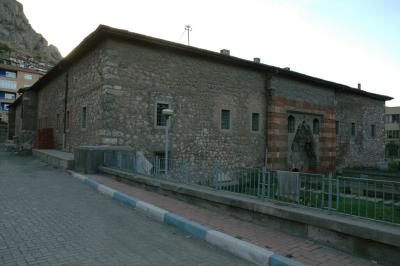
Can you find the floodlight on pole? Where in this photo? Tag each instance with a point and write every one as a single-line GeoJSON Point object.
{"type": "Point", "coordinates": [167, 113]}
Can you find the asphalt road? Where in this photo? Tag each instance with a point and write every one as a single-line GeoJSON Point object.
{"type": "Point", "coordinates": [50, 218]}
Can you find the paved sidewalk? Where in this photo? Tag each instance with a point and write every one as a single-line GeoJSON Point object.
{"type": "Point", "coordinates": [303, 250]}
{"type": "Point", "coordinates": [49, 218]}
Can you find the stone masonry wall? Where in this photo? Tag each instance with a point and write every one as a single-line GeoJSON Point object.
{"type": "Point", "coordinates": [197, 89]}
{"type": "Point", "coordinates": [361, 149]}
{"type": "Point", "coordinates": [84, 89]}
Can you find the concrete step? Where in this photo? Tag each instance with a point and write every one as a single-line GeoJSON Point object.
{"type": "Point", "coordinates": [56, 158]}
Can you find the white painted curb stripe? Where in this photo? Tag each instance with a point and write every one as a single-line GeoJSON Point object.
{"type": "Point", "coordinates": [245, 250]}
{"type": "Point", "coordinates": [151, 210]}
{"type": "Point", "coordinates": [106, 190]}
{"type": "Point", "coordinates": [79, 176]}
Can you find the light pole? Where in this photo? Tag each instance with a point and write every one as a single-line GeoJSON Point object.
{"type": "Point", "coordinates": [167, 113]}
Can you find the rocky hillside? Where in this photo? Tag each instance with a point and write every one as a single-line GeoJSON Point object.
{"type": "Point", "coordinates": [17, 35]}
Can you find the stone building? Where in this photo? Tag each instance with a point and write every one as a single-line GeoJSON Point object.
{"type": "Point", "coordinates": [111, 89]}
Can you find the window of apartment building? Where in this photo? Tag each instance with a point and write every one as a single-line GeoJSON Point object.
{"type": "Point", "coordinates": [337, 124]}
{"type": "Point", "coordinates": [291, 123]}
{"type": "Point", "coordinates": [4, 106]}
{"type": "Point", "coordinates": [393, 134]}
{"type": "Point", "coordinates": [8, 74]}
{"type": "Point", "coordinates": [84, 117]}
{"type": "Point", "coordinates": [395, 118]}
{"type": "Point", "coordinates": [28, 76]}
{"type": "Point", "coordinates": [161, 120]}
{"type": "Point", "coordinates": [372, 131]}
{"type": "Point", "coordinates": [388, 119]}
{"type": "Point", "coordinates": [353, 129]}
{"type": "Point", "coordinates": [225, 119]}
{"type": "Point", "coordinates": [9, 96]}
{"type": "Point", "coordinates": [8, 84]}
{"type": "Point", "coordinates": [255, 121]}
{"type": "Point", "coordinates": [316, 126]}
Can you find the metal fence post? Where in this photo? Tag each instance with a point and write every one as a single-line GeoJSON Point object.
{"type": "Point", "coordinates": [134, 163]}
{"type": "Point", "coordinates": [157, 166]}
{"type": "Point", "coordinates": [329, 191]}
{"type": "Point", "coordinates": [264, 172]}
{"type": "Point", "coordinates": [258, 183]}
{"type": "Point", "coordinates": [337, 193]}
{"type": "Point", "coordinates": [323, 192]}
{"type": "Point", "coordinates": [119, 160]}
{"type": "Point", "coordinates": [269, 183]}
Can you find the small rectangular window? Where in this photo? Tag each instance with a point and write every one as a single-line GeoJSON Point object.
{"type": "Point", "coordinates": [8, 84]}
{"type": "Point", "coordinates": [337, 127]}
{"type": "Point", "coordinates": [28, 76]}
{"type": "Point", "coordinates": [373, 131]}
{"type": "Point", "coordinates": [84, 117]}
{"type": "Point", "coordinates": [225, 119]}
{"type": "Point", "coordinates": [11, 74]}
{"type": "Point", "coordinates": [388, 119]}
{"type": "Point", "coordinates": [353, 129]}
{"type": "Point", "coordinates": [161, 120]}
{"type": "Point", "coordinates": [9, 96]}
{"type": "Point", "coordinates": [255, 121]}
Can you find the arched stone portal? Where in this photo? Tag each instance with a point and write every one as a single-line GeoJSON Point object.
{"type": "Point", "coordinates": [303, 151]}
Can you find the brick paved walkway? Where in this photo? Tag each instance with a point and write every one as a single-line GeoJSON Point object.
{"type": "Point", "coordinates": [49, 218]}
{"type": "Point", "coordinates": [300, 249]}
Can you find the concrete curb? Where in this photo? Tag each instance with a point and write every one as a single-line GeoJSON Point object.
{"type": "Point", "coordinates": [237, 247]}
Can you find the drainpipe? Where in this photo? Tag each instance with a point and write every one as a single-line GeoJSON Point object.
{"type": "Point", "coordinates": [64, 139]}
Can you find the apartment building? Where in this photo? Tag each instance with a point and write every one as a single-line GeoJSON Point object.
{"type": "Point", "coordinates": [13, 78]}
{"type": "Point", "coordinates": [392, 129]}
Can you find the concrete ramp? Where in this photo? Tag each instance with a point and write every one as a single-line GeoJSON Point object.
{"type": "Point", "coordinates": [56, 158]}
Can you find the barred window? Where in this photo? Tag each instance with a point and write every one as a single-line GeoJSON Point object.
{"type": "Point", "coordinates": [337, 127]}
{"type": "Point", "coordinates": [372, 131]}
{"type": "Point", "coordinates": [225, 119]}
{"type": "Point", "coordinates": [291, 124]}
{"type": "Point", "coordinates": [353, 129]}
{"type": "Point", "coordinates": [84, 117]}
{"type": "Point", "coordinates": [161, 120]}
{"type": "Point", "coordinates": [316, 126]}
{"type": "Point", "coordinates": [255, 121]}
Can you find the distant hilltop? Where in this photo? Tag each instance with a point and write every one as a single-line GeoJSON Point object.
{"type": "Point", "coordinates": [19, 41]}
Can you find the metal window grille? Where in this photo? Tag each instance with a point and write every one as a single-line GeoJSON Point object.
{"type": "Point", "coordinates": [316, 126]}
{"type": "Point", "coordinates": [255, 121]}
{"type": "Point", "coordinates": [225, 119]}
{"type": "Point", "coordinates": [337, 127]}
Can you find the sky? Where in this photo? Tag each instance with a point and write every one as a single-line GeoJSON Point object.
{"type": "Point", "coordinates": [345, 41]}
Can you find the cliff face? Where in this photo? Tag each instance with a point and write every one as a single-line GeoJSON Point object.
{"type": "Point", "coordinates": [17, 35]}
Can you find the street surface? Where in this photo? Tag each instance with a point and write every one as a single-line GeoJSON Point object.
{"type": "Point", "coordinates": [49, 218]}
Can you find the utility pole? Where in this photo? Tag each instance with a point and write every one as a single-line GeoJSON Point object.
{"type": "Point", "coordinates": [188, 28]}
